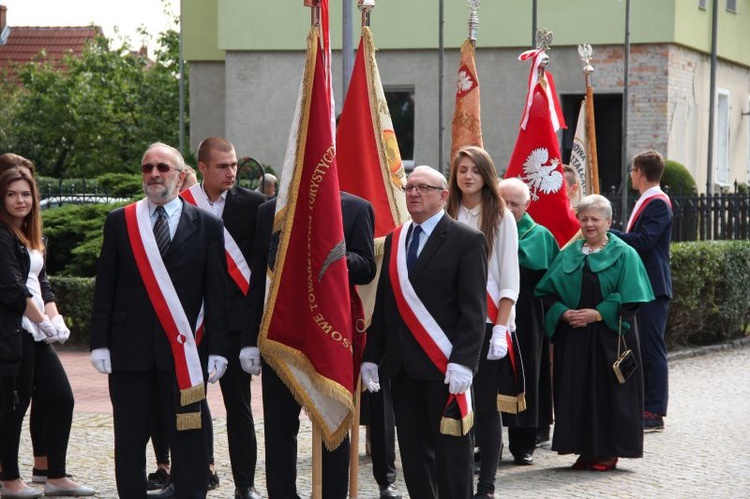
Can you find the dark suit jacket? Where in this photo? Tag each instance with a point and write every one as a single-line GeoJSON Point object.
{"type": "Point", "coordinates": [123, 318]}
{"type": "Point", "coordinates": [650, 236]}
{"type": "Point", "coordinates": [450, 277]}
{"type": "Point", "coordinates": [240, 212]}
{"type": "Point", "coordinates": [359, 222]}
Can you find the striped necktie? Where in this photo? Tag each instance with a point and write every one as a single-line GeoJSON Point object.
{"type": "Point", "coordinates": [161, 230]}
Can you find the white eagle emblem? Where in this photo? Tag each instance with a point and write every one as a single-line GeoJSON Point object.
{"type": "Point", "coordinates": [465, 82]}
{"type": "Point", "coordinates": [541, 176]}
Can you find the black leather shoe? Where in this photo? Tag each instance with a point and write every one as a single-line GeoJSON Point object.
{"type": "Point", "coordinates": [213, 480]}
{"type": "Point", "coordinates": [165, 493]}
{"type": "Point", "coordinates": [390, 491]}
{"type": "Point", "coordinates": [246, 493]}
{"type": "Point", "coordinates": [484, 495]}
{"type": "Point", "coordinates": [523, 459]}
{"type": "Point", "coordinates": [157, 480]}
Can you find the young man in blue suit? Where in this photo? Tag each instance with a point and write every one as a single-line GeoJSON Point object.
{"type": "Point", "coordinates": [649, 231]}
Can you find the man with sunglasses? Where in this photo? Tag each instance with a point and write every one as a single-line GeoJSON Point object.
{"type": "Point", "coordinates": [159, 323]}
{"type": "Point", "coordinates": [427, 330]}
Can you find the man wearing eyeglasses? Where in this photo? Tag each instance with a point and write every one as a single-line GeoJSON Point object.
{"type": "Point", "coordinates": [159, 323]}
{"type": "Point", "coordinates": [427, 329]}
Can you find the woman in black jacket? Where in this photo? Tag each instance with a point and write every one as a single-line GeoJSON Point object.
{"type": "Point", "coordinates": [29, 322]}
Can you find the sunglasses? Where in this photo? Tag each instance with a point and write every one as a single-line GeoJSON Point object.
{"type": "Point", "coordinates": [162, 167]}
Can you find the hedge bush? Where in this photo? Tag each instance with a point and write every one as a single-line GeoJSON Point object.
{"type": "Point", "coordinates": [74, 236]}
{"type": "Point", "coordinates": [711, 296]}
{"type": "Point", "coordinates": [75, 296]}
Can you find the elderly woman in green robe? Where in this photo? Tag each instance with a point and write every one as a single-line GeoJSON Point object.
{"type": "Point", "coordinates": [591, 294]}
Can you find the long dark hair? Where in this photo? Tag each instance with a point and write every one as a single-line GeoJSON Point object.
{"type": "Point", "coordinates": [493, 204]}
{"type": "Point", "coordinates": [30, 232]}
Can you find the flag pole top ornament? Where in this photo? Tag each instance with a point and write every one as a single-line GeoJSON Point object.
{"type": "Point", "coordinates": [366, 6]}
{"type": "Point", "coordinates": [585, 52]}
{"type": "Point", "coordinates": [544, 39]}
{"type": "Point", "coordinates": [315, 12]}
{"type": "Point", "coordinates": [473, 19]}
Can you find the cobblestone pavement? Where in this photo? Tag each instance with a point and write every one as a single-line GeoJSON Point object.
{"type": "Point", "coordinates": [702, 453]}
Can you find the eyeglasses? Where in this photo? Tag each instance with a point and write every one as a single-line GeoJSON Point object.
{"type": "Point", "coordinates": [421, 188]}
{"type": "Point", "coordinates": [162, 167]}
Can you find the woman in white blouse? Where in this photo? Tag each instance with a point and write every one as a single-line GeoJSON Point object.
{"type": "Point", "coordinates": [474, 199]}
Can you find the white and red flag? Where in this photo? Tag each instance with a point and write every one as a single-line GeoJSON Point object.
{"type": "Point", "coordinates": [306, 334]}
{"type": "Point", "coordinates": [536, 156]}
{"type": "Point", "coordinates": [467, 123]}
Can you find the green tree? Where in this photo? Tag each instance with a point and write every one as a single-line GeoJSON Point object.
{"type": "Point", "coordinates": [98, 112]}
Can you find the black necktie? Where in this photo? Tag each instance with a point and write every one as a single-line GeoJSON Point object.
{"type": "Point", "coordinates": [161, 230]}
{"type": "Point", "coordinates": [411, 256]}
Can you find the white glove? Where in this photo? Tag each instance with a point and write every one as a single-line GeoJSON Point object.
{"type": "Point", "coordinates": [458, 378]}
{"type": "Point", "coordinates": [101, 360]}
{"type": "Point", "coordinates": [498, 343]}
{"type": "Point", "coordinates": [370, 377]}
{"type": "Point", "coordinates": [217, 366]}
{"type": "Point", "coordinates": [250, 360]}
{"type": "Point", "coordinates": [63, 333]}
{"type": "Point", "coordinates": [47, 328]}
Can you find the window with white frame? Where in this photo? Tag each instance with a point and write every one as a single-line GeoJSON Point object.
{"type": "Point", "coordinates": [722, 137]}
{"type": "Point", "coordinates": [702, 4]}
{"type": "Point", "coordinates": [731, 6]}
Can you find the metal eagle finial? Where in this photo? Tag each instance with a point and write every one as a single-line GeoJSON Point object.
{"type": "Point", "coordinates": [473, 19]}
{"type": "Point", "coordinates": [585, 52]}
{"type": "Point", "coordinates": [544, 39]}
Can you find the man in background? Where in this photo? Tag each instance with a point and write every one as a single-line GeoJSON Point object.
{"type": "Point", "coordinates": [649, 231]}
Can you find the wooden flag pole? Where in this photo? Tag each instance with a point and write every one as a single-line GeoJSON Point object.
{"type": "Point", "coordinates": [592, 163]}
{"type": "Point", "coordinates": [354, 446]}
{"type": "Point", "coordinates": [317, 441]}
{"type": "Point", "coordinates": [317, 463]}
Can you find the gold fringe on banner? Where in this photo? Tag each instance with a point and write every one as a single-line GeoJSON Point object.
{"type": "Point", "coordinates": [189, 421]}
{"type": "Point", "coordinates": [457, 427]}
{"type": "Point", "coordinates": [192, 395]}
{"type": "Point", "coordinates": [511, 404]}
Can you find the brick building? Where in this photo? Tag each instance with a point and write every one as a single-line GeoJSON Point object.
{"type": "Point", "coordinates": [246, 63]}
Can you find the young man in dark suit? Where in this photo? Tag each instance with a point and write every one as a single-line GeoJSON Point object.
{"type": "Point", "coordinates": [161, 262]}
{"type": "Point", "coordinates": [280, 409]}
{"type": "Point", "coordinates": [649, 231]}
{"type": "Point", "coordinates": [427, 327]}
{"type": "Point", "coordinates": [219, 194]}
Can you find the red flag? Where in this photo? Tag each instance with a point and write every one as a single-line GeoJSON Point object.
{"type": "Point", "coordinates": [536, 160]}
{"type": "Point", "coordinates": [368, 155]}
{"type": "Point", "coordinates": [467, 123]}
{"type": "Point", "coordinates": [306, 334]}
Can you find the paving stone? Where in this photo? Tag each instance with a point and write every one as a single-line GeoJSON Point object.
{"type": "Point", "coordinates": [702, 453]}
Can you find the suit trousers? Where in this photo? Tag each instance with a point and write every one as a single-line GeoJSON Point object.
{"type": "Point", "coordinates": [435, 465]}
{"type": "Point", "coordinates": [281, 426]}
{"type": "Point", "coordinates": [652, 320]}
{"type": "Point", "coordinates": [42, 372]}
{"type": "Point", "coordinates": [383, 433]}
{"type": "Point", "coordinates": [131, 394]}
{"type": "Point", "coordinates": [487, 420]}
{"type": "Point", "coordinates": [243, 445]}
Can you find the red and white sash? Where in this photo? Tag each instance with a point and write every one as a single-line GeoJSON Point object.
{"type": "Point", "coordinates": [423, 325]}
{"type": "Point", "coordinates": [164, 299]}
{"type": "Point", "coordinates": [642, 202]}
{"type": "Point", "coordinates": [238, 268]}
{"type": "Point", "coordinates": [493, 299]}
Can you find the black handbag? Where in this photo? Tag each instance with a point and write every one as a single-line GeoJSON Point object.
{"type": "Point", "coordinates": [625, 364]}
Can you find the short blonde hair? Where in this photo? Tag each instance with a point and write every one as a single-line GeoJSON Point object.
{"type": "Point", "coordinates": [595, 202]}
